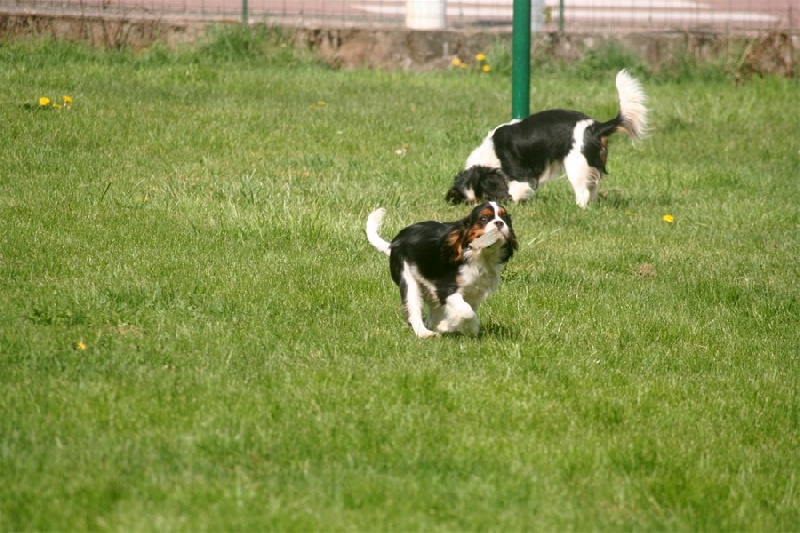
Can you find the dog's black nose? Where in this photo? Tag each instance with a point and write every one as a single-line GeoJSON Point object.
{"type": "Point", "coordinates": [499, 224]}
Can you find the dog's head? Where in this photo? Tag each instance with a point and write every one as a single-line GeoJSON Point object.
{"type": "Point", "coordinates": [478, 183]}
{"type": "Point", "coordinates": [483, 218]}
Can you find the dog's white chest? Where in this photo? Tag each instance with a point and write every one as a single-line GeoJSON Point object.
{"type": "Point", "coordinates": [479, 279]}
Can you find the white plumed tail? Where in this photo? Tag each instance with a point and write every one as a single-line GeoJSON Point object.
{"type": "Point", "coordinates": [632, 110]}
{"type": "Point", "coordinates": [374, 222]}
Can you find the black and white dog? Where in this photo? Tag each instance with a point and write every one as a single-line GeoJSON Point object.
{"type": "Point", "coordinates": [448, 268]}
{"type": "Point", "coordinates": [515, 158]}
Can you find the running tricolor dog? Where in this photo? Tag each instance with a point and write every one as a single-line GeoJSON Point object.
{"type": "Point", "coordinates": [447, 268]}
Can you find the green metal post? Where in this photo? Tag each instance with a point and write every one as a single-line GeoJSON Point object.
{"type": "Point", "coordinates": [245, 14]}
{"type": "Point", "coordinates": [521, 59]}
{"type": "Point", "coordinates": [561, 16]}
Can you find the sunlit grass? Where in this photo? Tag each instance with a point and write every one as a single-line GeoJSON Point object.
{"type": "Point", "coordinates": [195, 333]}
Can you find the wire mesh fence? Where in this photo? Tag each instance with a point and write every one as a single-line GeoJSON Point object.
{"type": "Point", "coordinates": [547, 15]}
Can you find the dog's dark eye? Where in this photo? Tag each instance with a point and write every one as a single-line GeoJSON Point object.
{"type": "Point", "coordinates": [484, 219]}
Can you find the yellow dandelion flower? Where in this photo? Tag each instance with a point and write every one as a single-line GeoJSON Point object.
{"type": "Point", "coordinates": [321, 103]}
{"type": "Point", "coordinates": [456, 62]}
{"type": "Point", "coordinates": [56, 106]}
{"type": "Point", "coordinates": [67, 100]}
{"type": "Point", "coordinates": [486, 68]}
{"type": "Point", "coordinates": [669, 219]}
{"type": "Point", "coordinates": [80, 345]}
{"type": "Point", "coordinates": [44, 101]}
{"type": "Point", "coordinates": [480, 57]}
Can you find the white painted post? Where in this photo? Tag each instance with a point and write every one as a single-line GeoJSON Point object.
{"type": "Point", "coordinates": [537, 15]}
{"type": "Point", "coordinates": [426, 14]}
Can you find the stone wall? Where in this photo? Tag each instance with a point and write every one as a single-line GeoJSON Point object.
{"type": "Point", "coordinates": [110, 32]}
{"type": "Point", "coordinates": [418, 50]}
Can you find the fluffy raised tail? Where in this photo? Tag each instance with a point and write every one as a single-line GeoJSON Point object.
{"type": "Point", "coordinates": [374, 222]}
{"type": "Point", "coordinates": [632, 116]}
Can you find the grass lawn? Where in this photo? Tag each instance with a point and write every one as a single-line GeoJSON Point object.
{"type": "Point", "coordinates": [196, 335]}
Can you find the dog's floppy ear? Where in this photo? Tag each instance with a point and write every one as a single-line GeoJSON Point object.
{"type": "Point", "coordinates": [462, 182]}
{"type": "Point", "coordinates": [455, 196]}
{"type": "Point", "coordinates": [456, 241]}
{"type": "Point", "coordinates": [493, 185]}
{"type": "Point", "coordinates": [511, 242]}
{"type": "Point", "coordinates": [488, 183]}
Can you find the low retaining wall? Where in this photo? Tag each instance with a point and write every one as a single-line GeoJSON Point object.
{"type": "Point", "coordinates": [775, 52]}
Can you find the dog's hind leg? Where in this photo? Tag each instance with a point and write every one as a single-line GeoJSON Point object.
{"type": "Point", "coordinates": [412, 297]}
{"type": "Point", "coordinates": [436, 313]}
{"type": "Point", "coordinates": [585, 180]}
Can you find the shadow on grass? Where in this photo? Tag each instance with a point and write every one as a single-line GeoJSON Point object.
{"type": "Point", "coordinates": [614, 198]}
{"type": "Point", "coordinates": [499, 331]}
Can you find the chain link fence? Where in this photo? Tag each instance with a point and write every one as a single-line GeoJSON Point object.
{"type": "Point", "coordinates": [547, 15]}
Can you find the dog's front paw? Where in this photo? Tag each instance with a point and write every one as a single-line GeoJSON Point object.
{"type": "Point", "coordinates": [519, 191]}
{"type": "Point", "coordinates": [425, 333]}
{"type": "Point", "coordinates": [443, 326]}
{"type": "Point", "coordinates": [583, 197]}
